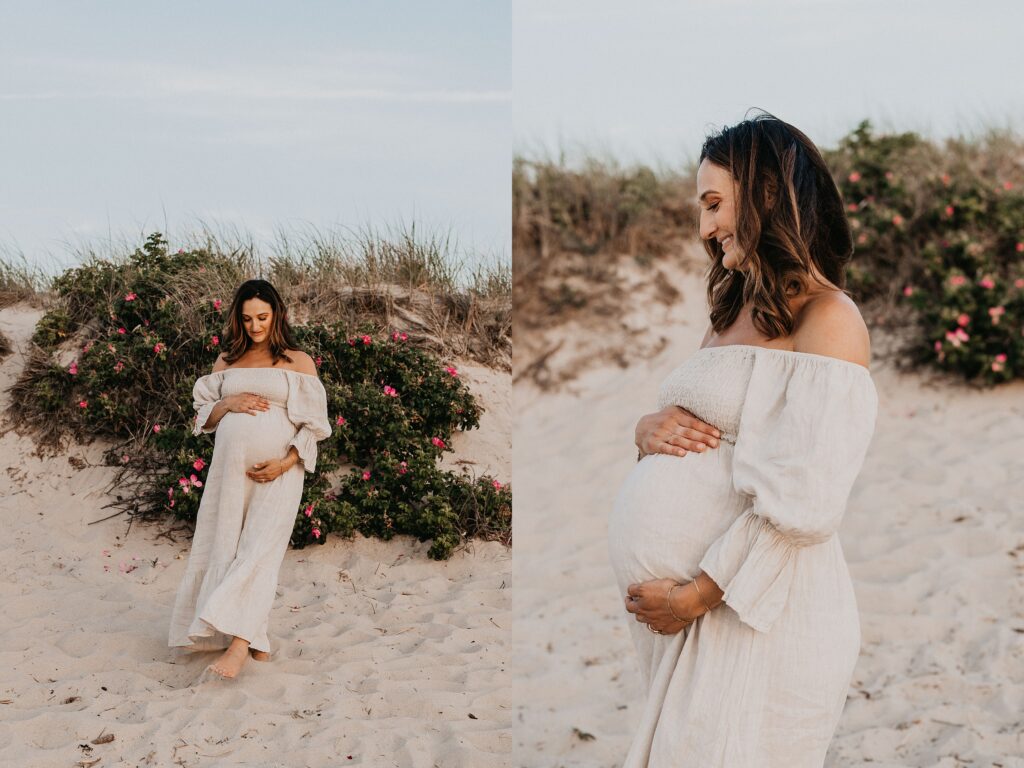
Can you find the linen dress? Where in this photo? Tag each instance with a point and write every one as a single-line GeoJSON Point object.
{"type": "Point", "coordinates": [761, 680]}
{"type": "Point", "coordinates": [243, 526]}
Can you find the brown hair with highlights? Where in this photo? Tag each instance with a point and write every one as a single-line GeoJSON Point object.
{"type": "Point", "coordinates": [279, 337]}
{"type": "Point", "coordinates": [789, 214]}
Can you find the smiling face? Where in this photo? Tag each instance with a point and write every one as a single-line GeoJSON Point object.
{"type": "Point", "coordinates": [257, 319]}
{"type": "Point", "coordinates": [716, 195]}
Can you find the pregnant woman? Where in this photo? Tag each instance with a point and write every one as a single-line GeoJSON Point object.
{"type": "Point", "coordinates": [723, 537]}
{"type": "Point", "coordinates": [269, 410]}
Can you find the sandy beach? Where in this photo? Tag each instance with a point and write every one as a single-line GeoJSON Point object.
{"type": "Point", "coordinates": [933, 533]}
{"type": "Point", "coordinates": [383, 656]}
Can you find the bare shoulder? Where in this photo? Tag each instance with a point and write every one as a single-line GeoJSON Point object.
{"type": "Point", "coordinates": [219, 364]}
{"type": "Point", "coordinates": [302, 362]}
{"type": "Point", "coordinates": [831, 324]}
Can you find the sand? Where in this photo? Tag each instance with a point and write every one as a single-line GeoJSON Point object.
{"type": "Point", "coordinates": [934, 534]}
{"type": "Point", "coordinates": [384, 657]}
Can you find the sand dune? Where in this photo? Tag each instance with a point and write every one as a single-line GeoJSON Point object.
{"type": "Point", "coordinates": [384, 657]}
{"type": "Point", "coordinates": [934, 534]}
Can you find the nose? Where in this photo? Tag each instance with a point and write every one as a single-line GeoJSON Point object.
{"type": "Point", "coordinates": [707, 225]}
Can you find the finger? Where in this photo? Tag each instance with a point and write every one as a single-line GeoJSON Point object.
{"type": "Point", "coordinates": [259, 465]}
{"type": "Point", "coordinates": [700, 430]}
{"type": "Point", "coordinates": [634, 589]}
{"type": "Point", "coordinates": [670, 449]}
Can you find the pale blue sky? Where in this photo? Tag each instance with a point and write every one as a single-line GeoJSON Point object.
{"type": "Point", "coordinates": [646, 81]}
{"type": "Point", "coordinates": [120, 116]}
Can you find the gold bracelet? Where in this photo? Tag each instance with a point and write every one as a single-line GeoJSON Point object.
{"type": "Point", "coordinates": [668, 600]}
{"type": "Point", "coordinates": [701, 594]}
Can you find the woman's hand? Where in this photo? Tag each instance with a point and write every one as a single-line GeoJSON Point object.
{"type": "Point", "coordinates": [266, 471]}
{"type": "Point", "coordinates": [675, 431]}
{"type": "Point", "coordinates": [270, 470]}
{"type": "Point", "coordinates": [648, 601]}
{"type": "Point", "coordinates": [246, 402]}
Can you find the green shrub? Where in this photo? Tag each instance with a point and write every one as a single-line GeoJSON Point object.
{"type": "Point", "coordinates": [144, 330]}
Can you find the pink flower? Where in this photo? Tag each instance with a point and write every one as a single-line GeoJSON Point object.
{"type": "Point", "coordinates": [938, 345]}
{"type": "Point", "coordinates": [366, 475]}
{"type": "Point", "coordinates": [118, 366]}
{"type": "Point", "coordinates": [195, 481]}
{"type": "Point", "coordinates": [351, 342]}
{"type": "Point", "coordinates": [1007, 185]}
{"type": "Point", "coordinates": [437, 441]}
{"type": "Point", "coordinates": [1019, 282]}
{"type": "Point", "coordinates": [340, 421]}
{"type": "Point", "coordinates": [308, 510]}
{"type": "Point", "coordinates": [987, 282]}
{"type": "Point", "coordinates": [1001, 357]}
{"type": "Point", "coordinates": [999, 363]}
{"type": "Point", "coordinates": [73, 368]}
{"type": "Point", "coordinates": [403, 467]}
{"type": "Point", "coordinates": [216, 304]}
{"type": "Point", "coordinates": [125, 458]}
{"type": "Point", "coordinates": [215, 341]}
{"type": "Point", "coordinates": [949, 210]}
{"type": "Point", "coordinates": [854, 177]}
{"type": "Point", "coordinates": [198, 465]}
{"type": "Point", "coordinates": [366, 339]}
{"type": "Point", "coordinates": [451, 371]}
{"type": "Point", "coordinates": [1019, 247]}
{"type": "Point", "coordinates": [394, 336]}
{"type": "Point", "coordinates": [995, 313]}
{"type": "Point", "coordinates": [83, 404]}
{"type": "Point", "coordinates": [952, 338]}
{"type": "Point", "coordinates": [156, 427]}
{"type": "Point", "coordinates": [170, 492]}
{"type": "Point", "coordinates": [497, 485]}
{"type": "Point", "coordinates": [181, 250]}
{"type": "Point", "coordinates": [945, 179]}
{"type": "Point", "coordinates": [318, 361]}
{"type": "Point", "coordinates": [897, 220]}
{"type": "Point", "coordinates": [889, 175]}
{"type": "Point", "coordinates": [316, 533]}
{"type": "Point", "coordinates": [957, 280]}
{"type": "Point", "coordinates": [158, 347]}
{"type": "Point", "coordinates": [963, 319]}
{"type": "Point", "coordinates": [862, 238]}
{"type": "Point", "coordinates": [851, 207]}
{"type": "Point", "coordinates": [130, 297]}
{"type": "Point", "coordinates": [390, 391]}
{"type": "Point", "coordinates": [908, 291]}
{"type": "Point", "coordinates": [403, 336]}
{"type": "Point", "coordinates": [122, 330]}
{"type": "Point", "coordinates": [961, 334]}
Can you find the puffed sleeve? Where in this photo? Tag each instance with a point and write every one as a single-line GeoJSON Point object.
{"type": "Point", "coordinates": [803, 435]}
{"type": "Point", "coordinates": [205, 395]}
{"type": "Point", "coordinates": [307, 409]}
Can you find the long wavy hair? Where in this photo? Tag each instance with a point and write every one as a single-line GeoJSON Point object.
{"type": "Point", "coordinates": [789, 215]}
{"type": "Point", "coordinates": [279, 337]}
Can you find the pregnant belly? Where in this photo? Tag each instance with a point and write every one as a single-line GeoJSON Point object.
{"type": "Point", "coordinates": [668, 512]}
{"type": "Point", "coordinates": [244, 438]}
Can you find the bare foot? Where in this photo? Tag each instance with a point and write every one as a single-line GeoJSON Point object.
{"type": "Point", "coordinates": [231, 661]}
{"type": "Point", "coordinates": [259, 655]}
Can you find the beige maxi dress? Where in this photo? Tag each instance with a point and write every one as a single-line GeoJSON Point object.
{"type": "Point", "coordinates": [760, 681]}
{"type": "Point", "coordinates": [243, 527]}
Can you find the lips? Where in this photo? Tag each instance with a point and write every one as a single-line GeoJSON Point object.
{"type": "Point", "coordinates": [726, 241]}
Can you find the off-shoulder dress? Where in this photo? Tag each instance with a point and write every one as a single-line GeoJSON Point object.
{"type": "Point", "coordinates": [760, 681]}
{"type": "Point", "coordinates": [243, 526]}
